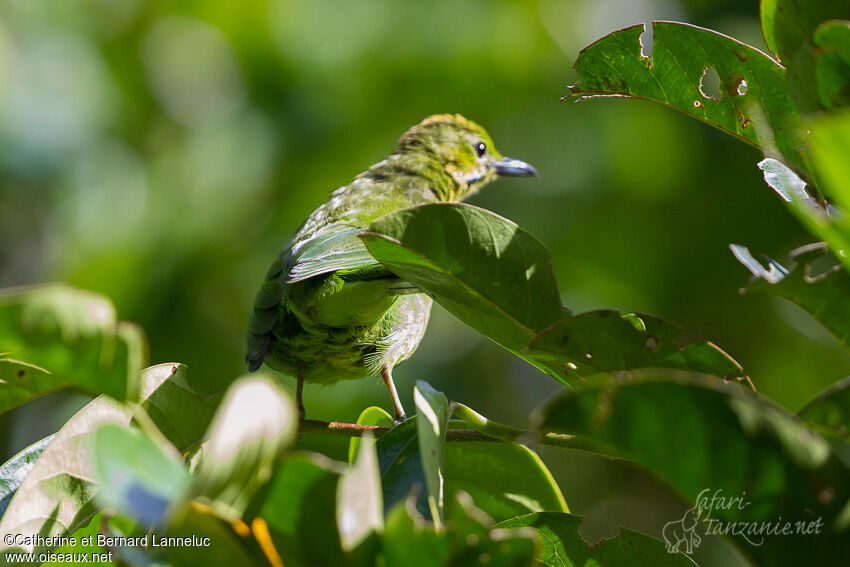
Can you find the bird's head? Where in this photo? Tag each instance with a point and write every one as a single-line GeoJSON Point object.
{"type": "Point", "coordinates": [462, 151]}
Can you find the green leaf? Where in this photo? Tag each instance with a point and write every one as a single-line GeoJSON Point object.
{"type": "Point", "coordinates": [136, 476]}
{"type": "Point", "coordinates": [14, 471]}
{"type": "Point", "coordinates": [56, 497]}
{"type": "Point", "coordinates": [360, 510]}
{"type": "Point", "coordinates": [410, 540]}
{"type": "Point", "coordinates": [100, 523]}
{"type": "Point", "coordinates": [823, 292]}
{"type": "Point", "coordinates": [180, 413]}
{"type": "Point", "coordinates": [400, 465]}
{"type": "Point", "coordinates": [829, 414]}
{"type": "Point", "coordinates": [832, 63]}
{"type": "Point", "coordinates": [764, 115]}
{"type": "Point", "coordinates": [788, 27]}
{"type": "Point", "coordinates": [300, 509]}
{"type": "Point", "coordinates": [481, 267]}
{"type": "Point", "coordinates": [605, 341]}
{"type": "Point", "coordinates": [830, 143]}
{"type": "Point", "coordinates": [702, 435]}
{"type": "Point", "coordinates": [432, 419]}
{"type": "Point", "coordinates": [372, 415]}
{"type": "Point", "coordinates": [504, 479]}
{"type": "Point", "coordinates": [55, 336]}
{"type": "Point", "coordinates": [225, 547]}
{"type": "Point", "coordinates": [413, 542]}
{"type": "Point", "coordinates": [562, 546]}
{"type": "Point", "coordinates": [831, 408]}
{"type": "Point", "coordinates": [256, 420]}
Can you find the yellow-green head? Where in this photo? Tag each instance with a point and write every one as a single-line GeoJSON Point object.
{"type": "Point", "coordinates": [457, 154]}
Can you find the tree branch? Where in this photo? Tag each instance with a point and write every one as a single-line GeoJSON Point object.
{"type": "Point", "coordinates": [312, 426]}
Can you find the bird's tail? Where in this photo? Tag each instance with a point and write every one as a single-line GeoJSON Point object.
{"type": "Point", "coordinates": [265, 314]}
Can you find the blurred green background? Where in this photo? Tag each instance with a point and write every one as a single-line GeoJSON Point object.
{"type": "Point", "coordinates": [163, 152]}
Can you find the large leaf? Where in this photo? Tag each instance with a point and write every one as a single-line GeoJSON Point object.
{"type": "Point", "coordinates": [824, 292]}
{"type": "Point", "coordinates": [562, 546]}
{"type": "Point", "coordinates": [753, 103]}
{"type": "Point", "coordinates": [504, 479]}
{"type": "Point", "coordinates": [254, 423]}
{"type": "Point", "coordinates": [15, 470]}
{"type": "Point", "coordinates": [55, 336]}
{"type": "Point", "coordinates": [481, 267]}
{"type": "Point", "coordinates": [56, 496]}
{"type": "Point", "coordinates": [702, 435]}
{"type": "Point", "coordinates": [604, 341]}
{"type": "Point", "coordinates": [788, 27]}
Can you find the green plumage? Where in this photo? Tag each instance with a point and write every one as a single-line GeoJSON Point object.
{"type": "Point", "coordinates": [327, 310]}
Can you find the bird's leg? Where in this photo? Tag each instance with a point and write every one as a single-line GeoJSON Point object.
{"type": "Point", "coordinates": [388, 380]}
{"type": "Point", "coordinates": [299, 392]}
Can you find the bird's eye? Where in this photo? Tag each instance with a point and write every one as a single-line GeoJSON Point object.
{"type": "Point", "coordinates": [481, 149]}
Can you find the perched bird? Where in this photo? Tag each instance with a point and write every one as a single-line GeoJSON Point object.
{"type": "Point", "coordinates": [327, 310]}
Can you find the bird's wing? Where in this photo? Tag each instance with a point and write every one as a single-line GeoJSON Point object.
{"type": "Point", "coordinates": [336, 249]}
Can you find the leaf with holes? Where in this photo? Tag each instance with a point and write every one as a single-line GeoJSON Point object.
{"type": "Point", "coordinates": [55, 336]}
{"type": "Point", "coordinates": [812, 280]}
{"type": "Point", "coordinates": [605, 341]}
{"type": "Point", "coordinates": [754, 103]}
{"type": "Point", "coordinates": [702, 435]}
{"type": "Point", "coordinates": [789, 27]}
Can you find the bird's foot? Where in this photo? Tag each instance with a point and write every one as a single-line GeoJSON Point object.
{"type": "Point", "coordinates": [398, 419]}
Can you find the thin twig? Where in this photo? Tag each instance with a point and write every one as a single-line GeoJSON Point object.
{"type": "Point", "coordinates": [311, 426]}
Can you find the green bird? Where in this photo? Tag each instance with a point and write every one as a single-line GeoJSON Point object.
{"type": "Point", "coordinates": [327, 310]}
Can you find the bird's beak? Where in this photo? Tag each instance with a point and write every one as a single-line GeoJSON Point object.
{"type": "Point", "coordinates": [515, 168]}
